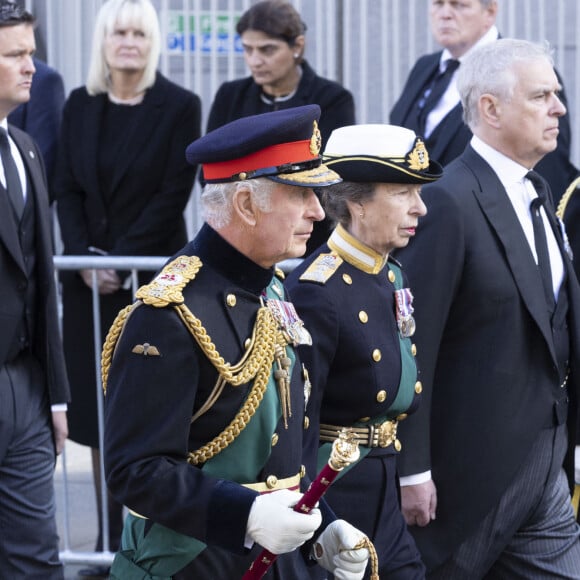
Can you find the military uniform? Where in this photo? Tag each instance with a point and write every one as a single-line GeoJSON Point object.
{"type": "Point", "coordinates": [205, 400]}
{"type": "Point", "coordinates": [364, 374]}
{"type": "Point", "coordinates": [160, 368]}
{"type": "Point", "coordinates": [354, 300]}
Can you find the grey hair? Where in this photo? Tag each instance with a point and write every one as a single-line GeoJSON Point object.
{"type": "Point", "coordinates": [490, 69]}
{"type": "Point", "coordinates": [335, 198]}
{"type": "Point", "coordinates": [140, 13]}
{"type": "Point", "coordinates": [216, 199]}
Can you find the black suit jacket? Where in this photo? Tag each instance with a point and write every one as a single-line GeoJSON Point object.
{"type": "Point", "coordinates": [485, 350]}
{"type": "Point", "coordinates": [141, 213]}
{"type": "Point", "coordinates": [452, 135]}
{"type": "Point", "coordinates": [47, 345]}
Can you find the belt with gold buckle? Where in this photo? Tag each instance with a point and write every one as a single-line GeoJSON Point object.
{"type": "Point", "coordinates": [374, 435]}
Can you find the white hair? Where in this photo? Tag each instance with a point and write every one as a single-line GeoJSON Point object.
{"type": "Point", "coordinates": [216, 199]}
{"type": "Point", "coordinates": [138, 13]}
{"type": "Point", "coordinates": [490, 69]}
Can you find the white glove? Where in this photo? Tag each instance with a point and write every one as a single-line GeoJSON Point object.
{"type": "Point", "coordinates": [276, 526]}
{"type": "Point", "coordinates": [333, 551]}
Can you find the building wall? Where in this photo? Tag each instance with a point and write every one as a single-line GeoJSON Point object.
{"type": "Point", "coordinates": [368, 45]}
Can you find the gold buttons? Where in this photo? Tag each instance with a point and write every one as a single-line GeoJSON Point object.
{"type": "Point", "coordinates": [381, 396]}
{"type": "Point", "coordinates": [231, 300]}
{"type": "Point", "coordinates": [402, 417]}
{"type": "Point", "coordinates": [414, 349]}
{"type": "Point", "coordinates": [418, 387]}
{"type": "Point", "coordinates": [306, 422]}
{"type": "Point", "coordinates": [391, 276]}
{"type": "Point", "coordinates": [398, 445]}
{"type": "Point", "coordinates": [363, 316]}
{"type": "Point", "coordinates": [377, 355]}
{"type": "Point", "coordinates": [364, 419]}
{"type": "Point", "coordinates": [302, 471]}
{"type": "Point", "coordinates": [347, 279]}
{"type": "Point", "coordinates": [242, 175]}
{"type": "Point", "coordinates": [271, 481]}
{"type": "Point", "coordinates": [247, 343]}
{"type": "Point", "coordinates": [275, 438]}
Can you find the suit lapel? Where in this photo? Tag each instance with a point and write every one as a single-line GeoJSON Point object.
{"type": "Point", "coordinates": [36, 189]}
{"type": "Point", "coordinates": [9, 231]}
{"type": "Point", "coordinates": [420, 82]}
{"type": "Point", "coordinates": [450, 125]}
{"type": "Point", "coordinates": [502, 218]}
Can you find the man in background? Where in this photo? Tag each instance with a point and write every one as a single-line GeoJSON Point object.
{"type": "Point", "coordinates": [430, 104]}
{"type": "Point", "coordinates": [33, 386]}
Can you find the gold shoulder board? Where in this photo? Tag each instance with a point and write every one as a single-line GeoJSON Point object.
{"type": "Point", "coordinates": [323, 267]}
{"type": "Point", "coordinates": [166, 288]}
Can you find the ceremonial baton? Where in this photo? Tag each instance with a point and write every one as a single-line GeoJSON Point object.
{"type": "Point", "coordinates": [344, 452]}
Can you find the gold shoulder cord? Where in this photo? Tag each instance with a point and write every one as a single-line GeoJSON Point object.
{"type": "Point", "coordinates": [373, 556]}
{"type": "Point", "coordinates": [566, 198]}
{"type": "Point", "coordinates": [111, 341]}
{"type": "Point", "coordinates": [256, 364]}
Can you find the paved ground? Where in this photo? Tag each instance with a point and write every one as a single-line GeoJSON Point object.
{"type": "Point", "coordinates": [77, 518]}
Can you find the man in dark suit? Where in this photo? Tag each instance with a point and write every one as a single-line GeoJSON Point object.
{"type": "Point", "coordinates": [33, 385]}
{"type": "Point", "coordinates": [458, 27]}
{"type": "Point", "coordinates": [499, 350]}
{"type": "Point", "coordinates": [40, 117]}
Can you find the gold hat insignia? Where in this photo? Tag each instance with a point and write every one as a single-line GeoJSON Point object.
{"type": "Point", "coordinates": [315, 140]}
{"type": "Point", "coordinates": [418, 158]}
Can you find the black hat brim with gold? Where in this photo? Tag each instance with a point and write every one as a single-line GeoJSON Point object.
{"type": "Point", "coordinates": [356, 154]}
{"type": "Point", "coordinates": [283, 146]}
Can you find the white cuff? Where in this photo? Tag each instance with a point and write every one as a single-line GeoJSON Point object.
{"type": "Point", "coordinates": [415, 479]}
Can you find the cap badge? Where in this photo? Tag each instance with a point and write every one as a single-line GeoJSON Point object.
{"type": "Point", "coordinates": [315, 140]}
{"type": "Point", "coordinates": [418, 158]}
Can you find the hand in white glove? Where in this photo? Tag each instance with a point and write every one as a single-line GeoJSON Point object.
{"type": "Point", "coordinates": [276, 526]}
{"type": "Point", "coordinates": [334, 551]}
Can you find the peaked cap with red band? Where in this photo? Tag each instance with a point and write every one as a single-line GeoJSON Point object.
{"type": "Point", "coordinates": [283, 146]}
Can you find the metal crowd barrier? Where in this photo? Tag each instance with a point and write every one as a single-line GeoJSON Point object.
{"type": "Point", "coordinates": [134, 264]}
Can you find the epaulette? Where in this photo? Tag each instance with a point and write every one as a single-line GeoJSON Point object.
{"type": "Point", "coordinates": [166, 288]}
{"type": "Point", "coordinates": [322, 268]}
{"type": "Point", "coordinates": [279, 273]}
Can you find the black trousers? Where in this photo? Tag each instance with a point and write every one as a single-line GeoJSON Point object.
{"type": "Point", "coordinates": [28, 534]}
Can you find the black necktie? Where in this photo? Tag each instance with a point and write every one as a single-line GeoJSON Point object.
{"type": "Point", "coordinates": [13, 185]}
{"type": "Point", "coordinates": [540, 239]}
{"type": "Point", "coordinates": [434, 92]}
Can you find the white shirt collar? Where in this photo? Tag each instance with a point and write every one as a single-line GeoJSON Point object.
{"type": "Point", "coordinates": [520, 192]}
{"type": "Point", "coordinates": [491, 35]}
{"type": "Point", "coordinates": [507, 169]}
